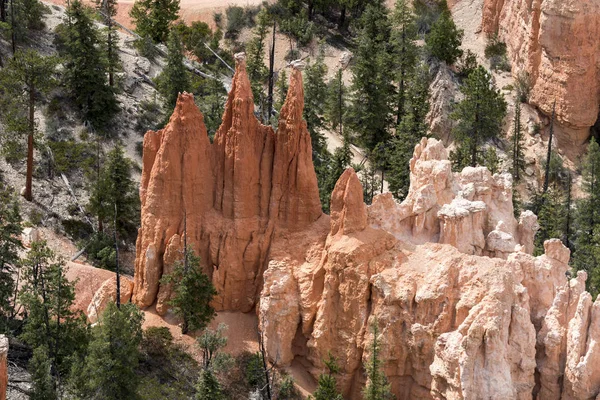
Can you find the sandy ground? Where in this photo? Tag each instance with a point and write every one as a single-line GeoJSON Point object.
{"type": "Point", "coordinates": [190, 10]}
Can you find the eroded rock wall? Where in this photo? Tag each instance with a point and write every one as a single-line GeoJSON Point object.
{"type": "Point", "coordinates": [464, 310]}
{"type": "Point", "coordinates": [556, 42]}
{"type": "Point", "coordinates": [231, 197]}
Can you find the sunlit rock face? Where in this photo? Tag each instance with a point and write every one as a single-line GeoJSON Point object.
{"type": "Point", "coordinates": [464, 310]}
{"type": "Point", "coordinates": [231, 198]}
{"type": "Point", "coordinates": [556, 42]}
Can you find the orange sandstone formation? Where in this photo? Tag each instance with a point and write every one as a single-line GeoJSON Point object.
{"type": "Point", "coordinates": [556, 42]}
{"type": "Point", "coordinates": [464, 310]}
{"type": "Point", "coordinates": [233, 196]}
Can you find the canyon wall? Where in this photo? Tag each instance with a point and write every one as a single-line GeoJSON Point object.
{"type": "Point", "coordinates": [556, 42]}
{"type": "Point", "coordinates": [464, 310]}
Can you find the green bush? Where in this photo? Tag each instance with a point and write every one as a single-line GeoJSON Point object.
{"type": "Point", "coordinates": [235, 21]}
{"type": "Point", "coordinates": [150, 116]}
{"type": "Point", "coordinates": [145, 46]}
{"type": "Point", "coordinates": [77, 229]}
{"type": "Point", "coordinates": [523, 86]}
{"type": "Point", "coordinates": [70, 155]}
{"type": "Point", "coordinates": [101, 252]}
{"type": "Point", "coordinates": [495, 47]}
{"type": "Point", "coordinates": [495, 51]}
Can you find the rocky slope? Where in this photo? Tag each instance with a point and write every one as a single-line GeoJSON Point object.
{"type": "Point", "coordinates": [464, 310]}
{"type": "Point", "coordinates": [556, 42]}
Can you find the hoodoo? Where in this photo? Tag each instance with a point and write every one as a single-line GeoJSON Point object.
{"type": "Point", "coordinates": [233, 196]}
{"type": "Point", "coordinates": [463, 308]}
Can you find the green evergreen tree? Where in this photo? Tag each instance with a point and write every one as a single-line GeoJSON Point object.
{"type": "Point", "coordinates": [211, 102]}
{"type": "Point", "coordinates": [377, 387]}
{"type": "Point", "coordinates": [208, 387]}
{"type": "Point", "coordinates": [444, 39]}
{"type": "Point", "coordinates": [174, 78]}
{"type": "Point", "coordinates": [404, 35]}
{"type": "Point", "coordinates": [116, 188]}
{"type": "Point", "coordinates": [315, 93]}
{"type": "Point", "coordinates": [412, 128]}
{"type": "Point", "coordinates": [86, 67]}
{"type": "Point", "coordinates": [335, 102]}
{"type": "Point", "coordinates": [108, 9]}
{"type": "Point", "coordinates": [211, 343]}
{"type": "Point", "coordinates": [24, 17]}
{"type": "Point", "coordinates": [192, 293]}
{"type": "Point", "coordinates": [327, 385]}
{"type": "Point", "coordinates": [479, 115]}
{"type": "Point", "coordinates": [26, 78]}
{"type": "Point", "coordinates": [491, 160]}
{"type": "Point", "coordinates": [108, 372]}
{"type": "Point", "coordinates": [551, 217]}
{"type": "Point", "coordinates": [40, 368]}
{"type": "Point", "coordinates": [10, 246]}
{"type": "Point", "coordinates": [154, 18]}
{"type": "Point", "coordinates": [370, 112]}
{"type": "Point", "coordinates": [281, 89]}
{"type": "Point", "coordinates": [587, 220]}
{"type": "Point", "coordinates": [51, 325]}
{"type": "Point", "coordinates": [258, 73]}
{"type": "Point", "coordinates": [331, 172]}
{"type": "Point", "coordinates": [517, 140]}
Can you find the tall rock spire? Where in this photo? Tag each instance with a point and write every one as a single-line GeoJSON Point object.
{"type": "Point", "coordinates": [238, 194]}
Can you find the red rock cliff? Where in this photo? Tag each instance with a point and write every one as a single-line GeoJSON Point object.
{"type": "Point", "coordinates": [235, 195]}
{"type": "Point", "coordinates": [556, 41]}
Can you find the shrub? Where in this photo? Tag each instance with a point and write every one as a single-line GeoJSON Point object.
{"type": "Point", "coordinates": [145, 46]}
{"type": "Point", "coordinates": [495, 51]}
{"type": "Point", "coordinates": [101, 252]}
{"type": "Point", "coordinates": [523, 86]}
{"type": "Point", "coordinates": [235, 21]}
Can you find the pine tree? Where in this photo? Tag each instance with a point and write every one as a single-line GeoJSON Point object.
{"type": "Point", "coordinates": [174, 78]}
{"type": "Point", "coordinates": [551, 217]}
{"type": "Point", "coordinates": [108, 372]}
{"type": "Point", "coordinates": [412, 128]}
{"type": "Point", "coordinates": [25, 79]}
{"type": "Point", "coordinates": [331, 172]}
{"type": "Point", "coordinates": [444, 39]}
{"type": "Point", "coordinates": [404, 35]}
{"type": "Point", "coordinates": [211, 103]}
{"type": "Point", "coordinates": [10, 246]}
{"type": "Point", "coordinates": [47, 298]}
{"type": "Point", "coordinates": [116, 188]}
{"type": "Point", "coordinates": [491, 160]}
{"type": "Point", "coordinates": [315, 92]}
{"type": "Point", "coordinates": [86, 67]}
{"type": "Point", "coordinates": [516, 145]}
{"type": "Point", "coordinates": [192, 293]}
{"type": "Point", "coordinates": [108, 8]}
{"type": "Point", "coordinates": [377, 387]}
{"type": "Point", "coordinates": [255, 51]}
{"type": "Point", "coordinates": [327, 385]}
{"type": "Point", "coordinates": [372, 74]}
{"type": "Point", "coordinates": [154, 18]}
{"type": "Point", "coordinates": [23, 17]}
{"type": "Point", "coordinates": [40, 367]}
{"type": "Point", "coordinates": [587, 219]}
{"type": "Point", "coordinates": [281, 89]}
{"type": "Point", "coordinates": [335, 103]}
{"type": "Point", "coordinates": [208, 387]}
{"type": "Point", "coordinates": [479, 114]}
